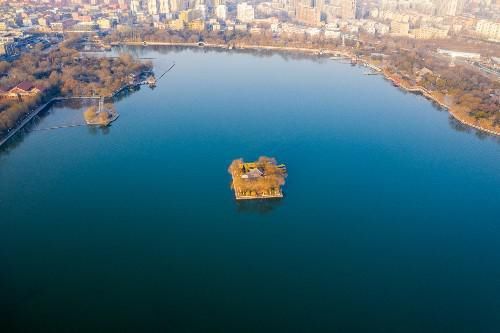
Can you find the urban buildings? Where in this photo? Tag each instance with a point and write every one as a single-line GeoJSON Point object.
{"type": "Point", "coordinates": [245, 12]}
{"type": "Point", "coordinates": [348, 9]}
{"type": "Point", "coordinates": [400, 28]}
{"type": "Point", "coordinates": [448, 7]}
{"type": "Point", "coordinates": [488, 29]}
{"type": "Point", "coordinates": [418, 19]}
{"type": "Point", "coordinates": [221, 12]}
{"type": "Point", "coordinates": [307, 14]}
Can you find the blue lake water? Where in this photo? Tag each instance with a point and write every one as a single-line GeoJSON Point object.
{"type": "Point", "coordinates": [390, 220]}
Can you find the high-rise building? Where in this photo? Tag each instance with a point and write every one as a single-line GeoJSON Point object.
{"type": "Point", "coordinates": [245, 12]}
{"type": "Point", "coordinates": [164, 6]}
{"type": "Point", "coordinates": [400, 28]}
{"type": "Point", "coordinates": [221, 12]}
{"type": "Point", "coordinates": [446, 7]}
{"type": "Point", "coordinates": [135, 6]}
{"type": "Point", "coordinates": [488, 29]}
{"type": "Point", "coordinates": [348, 9]}
{"type": "Point", "coordinates": [174, 6]}
{"type": "Point", "coordinates": [152, 8]}
{"type": "Point", "coordinates": [308, 14]}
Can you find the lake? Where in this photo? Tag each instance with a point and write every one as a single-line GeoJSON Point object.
{"type": "Point", "coordinates": [390, 220]}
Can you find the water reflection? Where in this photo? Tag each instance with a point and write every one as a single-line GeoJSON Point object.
{"type": "Point", "coordinates": [458, 126]}
{"type": "Point", "coordinates": [52, 117]}
{"type": "Point", "coordinates": [262, 206]}
{"type": "Point", "coordinates": [99, 130]}
{"type": "Point", "coordinates": [139, 51]}
{"type": "Point", "coordinates": [145, 51]}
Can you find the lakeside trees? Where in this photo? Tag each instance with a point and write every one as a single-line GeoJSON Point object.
{"type": "Point", "coordinates": [463, 84]}
{"type": "Point", "coordinates": [256, 179]}
{"type": "Point", "coordinates": [64, 72]}
{"type": "Point", "coordinates": [93, 117]}
{"type": "Point", "coordinates": [11, 111]}
{"type": "Point", "coordinates": [469, 89]}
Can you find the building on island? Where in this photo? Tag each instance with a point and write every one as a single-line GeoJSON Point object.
{"type": "Point", "coordinates": [261, 179]}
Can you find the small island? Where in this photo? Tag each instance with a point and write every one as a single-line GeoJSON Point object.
{"type": "Point", "coordinates": [261, 179]}
{"type": "Point", "coordinates": [100, 117]}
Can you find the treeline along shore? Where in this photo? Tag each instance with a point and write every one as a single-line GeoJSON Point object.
{"type": "Point", "coordinates": [37, 79]}
{"type": "Point", "coordinates": [471, 96]}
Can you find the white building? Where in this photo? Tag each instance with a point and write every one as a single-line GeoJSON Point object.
{"type": "Point", "coordinates": [202, 8]}
{"type": "Point", "coordinates": [334, 34]}
{"type": "Point", "coordinates": [348, 8]}
{"type": "Point", "coordinates": [447, 7]}
{"type": "Point", "coordinates": [488, 29]}
{"type": "Point", "coordinates": [164, 6]}
{"type": "Point", "coordinates": [135, 6]}
{"type": "Point", "coordinates": [174, 6]}
{"type": "Point", "coordinates": [245, 12]}
{"type": "Point", "coordinates": [152, 8]}
{"type": "Point", "coordinates": [221, 12]}
{"type": "Point", "coordinates": [400, 28]}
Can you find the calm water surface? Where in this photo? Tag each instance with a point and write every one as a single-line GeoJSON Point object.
{"type": "Point", "coordinates": [390, 221]}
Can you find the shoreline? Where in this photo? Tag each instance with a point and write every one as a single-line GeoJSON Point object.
{"type": "Point", "coordinates": [416, 89]}
{"type": "Point", "coordinates": [309, 51]}
{"type": "Point", "coordinates": [33, 113]}
{"type": "Point", "coordinates": [42, 107]}
{"type": "Point", "coordinates": [429, 95]}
